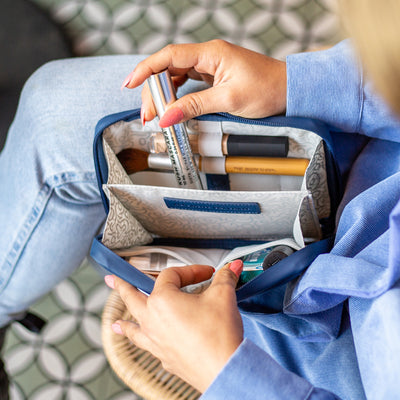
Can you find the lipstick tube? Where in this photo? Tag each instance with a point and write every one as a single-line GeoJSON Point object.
{"type": "Point", "coordinates": [176, 137]}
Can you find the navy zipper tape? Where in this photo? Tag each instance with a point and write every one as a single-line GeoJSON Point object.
{"type": "Point", "coordinates": [100, 163]}
{"type": "Point", "coordinates": [116, 265]}
{"type": "Point", "coordinates": [227, 244]}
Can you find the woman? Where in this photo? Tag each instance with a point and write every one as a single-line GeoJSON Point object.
{"type": "Point", "coordinates": [224, 362]}
{"type": "Point", "coordinates": [335, 337]}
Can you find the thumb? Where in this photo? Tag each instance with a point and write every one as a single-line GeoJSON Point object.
{"type": "Point", "coordinates": [229, 274]}
{"type": "Point", "coordinates": [178, 277]}
{"type": "Point", "coordinates": [194, 104]}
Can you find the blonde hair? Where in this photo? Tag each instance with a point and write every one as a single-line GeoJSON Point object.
{"type": "Point", "coordinates": [375, 27]}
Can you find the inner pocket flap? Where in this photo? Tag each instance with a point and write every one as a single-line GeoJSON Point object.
{"type": "Point", "coordinates": [278, 211]}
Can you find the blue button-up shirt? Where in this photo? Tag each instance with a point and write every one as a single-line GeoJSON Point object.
{"type": "Point", "coordinates": [338, 335]}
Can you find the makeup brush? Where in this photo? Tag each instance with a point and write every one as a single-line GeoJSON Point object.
{"type": "Point", "coordinates": [134, 160]}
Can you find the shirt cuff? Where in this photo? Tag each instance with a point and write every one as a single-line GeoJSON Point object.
{"type": "Point", "coordinates": [252, 374]}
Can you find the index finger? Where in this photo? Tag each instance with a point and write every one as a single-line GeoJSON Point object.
{"type": "Point", "coordinates": [178, 59]}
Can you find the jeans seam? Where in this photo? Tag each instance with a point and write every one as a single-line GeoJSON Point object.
{"type": "Point", "coordinates": [32, 219]}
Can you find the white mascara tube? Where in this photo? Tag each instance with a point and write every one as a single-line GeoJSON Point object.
{"type": "Point", "coordinates": [176, 137]}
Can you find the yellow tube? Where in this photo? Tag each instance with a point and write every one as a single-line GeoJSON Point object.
{"type": "Point", "coordinates": [266, 165]}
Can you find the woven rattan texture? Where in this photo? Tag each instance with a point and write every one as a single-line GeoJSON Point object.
{"type": "Point", "coordinates": [137, 368]}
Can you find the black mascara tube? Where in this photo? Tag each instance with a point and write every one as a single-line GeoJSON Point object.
{"type": "Point", "coordinates": [256, 146]}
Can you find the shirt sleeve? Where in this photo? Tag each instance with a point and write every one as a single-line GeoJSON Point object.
{"type": "Point", "coordinates": [252, 374]}
{"type": "Point", "coordinates": [329, 86]}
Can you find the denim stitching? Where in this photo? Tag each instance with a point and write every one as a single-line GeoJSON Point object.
{"type": "Point", "coordinates": [33, 218]}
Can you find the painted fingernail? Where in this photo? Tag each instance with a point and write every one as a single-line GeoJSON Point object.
{"type": "Point", "coordinates": [172, 116]}
{"type": "Point", "coordinates": [236, 267]}
{"type": "Point", "coordinates": [142, 115]}
{"type": "Point", "coordinates": [117, 329]}
{"type": "Point", "coordinates": [110, 282]}
{"type": "Point", "coordinates": [126, 81]}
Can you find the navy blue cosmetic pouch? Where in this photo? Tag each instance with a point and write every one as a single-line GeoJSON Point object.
{"type": "Point", "coordinates": [148, 208]}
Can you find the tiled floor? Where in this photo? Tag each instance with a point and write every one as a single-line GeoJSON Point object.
{"type": "Point", "coordinates": [66, 360]}
{"type": "Point", "coordinates": [274, 27]}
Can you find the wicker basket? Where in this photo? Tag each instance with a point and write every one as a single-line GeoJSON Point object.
{"type": "Point", "coordinates": [138, 369]}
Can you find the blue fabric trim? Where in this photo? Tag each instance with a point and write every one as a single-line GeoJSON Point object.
{"type": "Point", "coordinates": [119, 267]}
{"type": "Point", "coordinates": [225, 207]}
{"type": "Point", "coordinates": [100, 163]}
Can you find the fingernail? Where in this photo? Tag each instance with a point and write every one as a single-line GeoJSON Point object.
{"type": "Point", "coordinates": [126, 81]}
{"type": "Point", "coordinates": [117, 329]}
{"type": "Point", "coordinates": [110, 282]}
{"type": "Point", "coordinates": [236, 267]}
{"type": "Point", "coordinates": [171, 117]}
{"type": "Point", "coordinates": [142, 115]}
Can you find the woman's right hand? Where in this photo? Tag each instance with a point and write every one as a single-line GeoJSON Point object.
{"type": "Point", "coordinates": [242, 82]}
{"type": "Point", "coordinates": [193, 335]}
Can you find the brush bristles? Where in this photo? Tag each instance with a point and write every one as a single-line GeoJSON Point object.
{"type": "Point", "coordinates": [133, 160]}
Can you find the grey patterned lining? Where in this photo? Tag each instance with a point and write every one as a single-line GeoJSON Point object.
{"type": "Point", "coordinates": [122, 229]}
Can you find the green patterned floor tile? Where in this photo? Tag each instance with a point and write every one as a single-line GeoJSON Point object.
{"type": "Point", "coordinates": [144, 26]}
{"type": "Point", "coordinates": [66, 360]}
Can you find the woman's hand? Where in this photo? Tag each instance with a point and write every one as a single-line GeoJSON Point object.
{"type": "Point", "coordinates": [243, 82]}
{"type": "Point", "coordinates": [192, 334]}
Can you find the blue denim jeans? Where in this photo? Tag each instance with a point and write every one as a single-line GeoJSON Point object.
{"type": "Point", "coordinates": [50, 207]}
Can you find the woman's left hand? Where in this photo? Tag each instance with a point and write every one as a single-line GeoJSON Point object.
{"type": "Point", "coordinates": [193, 335]}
